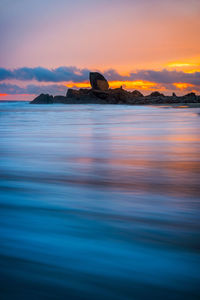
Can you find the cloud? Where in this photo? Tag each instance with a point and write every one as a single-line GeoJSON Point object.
{"type": "Point", "coordinates": [163, 80]}
{"type": "Point", "coordinates": [165, 76]}
{"type": "Point", "coordinates": [45, 75]}
{"type": "Point", "coordinates": [32, 89]}
{"type": "Point", "coordinates": [74, 74]}
{"type": "Point", "coordinates": [5, 74]}
{"type": "Point", "coordinates": [11, 89]}
{"type": "Point", "coordinates": [59, 89]}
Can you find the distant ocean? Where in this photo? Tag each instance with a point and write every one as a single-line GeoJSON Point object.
{"type": "Point", "coordinates": [99, 202]}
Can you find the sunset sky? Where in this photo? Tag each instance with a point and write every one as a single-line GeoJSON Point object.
{"type": "Point", "coordinates": [50, 45]}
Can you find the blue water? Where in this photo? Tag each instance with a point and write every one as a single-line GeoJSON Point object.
{"type": "Point", "coordinates": [99, 202]}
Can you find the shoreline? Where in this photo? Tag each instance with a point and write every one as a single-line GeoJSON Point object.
{"type": "Point", "coordinates": [100, 93]}
{"type": "Point", "coordinates": [116, 97]}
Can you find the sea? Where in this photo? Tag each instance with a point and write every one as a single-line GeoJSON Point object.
{"type": "Point", "coordinates": [99, 202]}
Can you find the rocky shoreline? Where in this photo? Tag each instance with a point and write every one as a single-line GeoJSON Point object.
{"type": "Point", "coordinates": [101, 94]}
{"type": "Point", "coordinates": [115, 96]}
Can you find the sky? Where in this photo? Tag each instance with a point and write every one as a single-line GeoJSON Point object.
{"type": "Point", "coordinates": [51, 45]}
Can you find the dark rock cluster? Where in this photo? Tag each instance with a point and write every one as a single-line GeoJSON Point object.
{"type": "Point", "coordinates": [101, 94]}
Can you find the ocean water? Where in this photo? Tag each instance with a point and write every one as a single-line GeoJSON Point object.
{"type": "Point", "coordinates": [99, 202]}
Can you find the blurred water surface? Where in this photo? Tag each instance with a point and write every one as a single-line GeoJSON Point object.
{"type": "Point", "coordinates": [99, 202]}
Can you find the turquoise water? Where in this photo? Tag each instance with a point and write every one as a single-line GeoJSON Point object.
{"type": "Point", "coordinates": [99, 202]}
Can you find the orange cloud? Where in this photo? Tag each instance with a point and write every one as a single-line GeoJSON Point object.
{"type": "Point", "coordinates": [178, 64]}
{"type": "Point", "coordinates": [191, 66]}
{"type": "Point", "coordinates": [80, 85]}
{"type": "Point", "coordinates": [192, 70]}
{"type": "Point", "coordinates": [129, 85]}
{"type": "Point", "coordinates": [2, 95]}
{"type": "Point", "coordinates": [137, 84]}
{"type": "Point", "coordinates": [182, 85]}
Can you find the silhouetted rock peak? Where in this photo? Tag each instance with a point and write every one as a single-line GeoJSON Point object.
{"type": "Point", "coordinates": [156, 94]}
{"type": "Point", "coordinates": [190, 95]}
{"type": "Point", "coordinates": [43, 99]}
{"type": "Point", "coordinates": [137, 94]}
{"type": "Point", "coordinates": [98, 81]}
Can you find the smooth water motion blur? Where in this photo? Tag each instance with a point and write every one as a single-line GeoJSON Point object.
{"type": "Point", "coordinates": [99, 202]}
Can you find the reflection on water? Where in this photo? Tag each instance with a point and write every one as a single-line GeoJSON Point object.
{"type": "Point", "coordinates": [99, 202]}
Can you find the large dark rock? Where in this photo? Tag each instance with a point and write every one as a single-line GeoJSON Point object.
{"type": "Point", "coordinates": [191, 96]}
{"type": "Point", "coordinates": [71, 93]}
{"type": "Point", "coordinates": [156, 94]}
{"type": "Point", "coordinates": [59, 99]}
{"type": "Point", "coordinates": [98, 81]}
{"type": "Point", "coordinates": [99, 94]}
{"type": "Point", "coordinates": [43, 99]}
{"type": "Point", "coordinates": [137, 94]}
{"type": "Point", "coordinates": [121, 96]}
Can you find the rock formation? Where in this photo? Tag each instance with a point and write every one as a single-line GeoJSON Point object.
{"type": "Point", "coordinates": [137, 94]}
{"type": "Point", "coordinates": [101, 94]}
{"type": "Point", "coordinates": [43, 99]}
{"type": "Point", "coordinates": [98, 81]}
{"type": "Point", "coordinates": [156, 94]}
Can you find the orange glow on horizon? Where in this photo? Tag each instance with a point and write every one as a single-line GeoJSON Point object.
{"type": "Point", "coordinates": [174, 65]}
{"type": "Point", "coordinates": [191, 66]}
{"type": "Point", "coordinates": [81, 85]}
{"type": "Point", "coordinates": [182, 85]}
{"type": "Point", "coordinates": [129, 85]}
{"type": "Point", "coordinates": [192, 70]}
{"type": "Point", "coordinates": [17, 97]}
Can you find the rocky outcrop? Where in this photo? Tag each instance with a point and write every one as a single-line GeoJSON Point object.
{"type": "Point", "coordinates": [101, 94]}
{"type": "Point", "coordinates": [156, 94]}
{"type": "Point", "coordinates": [191, 96]}
{"type": "Point", "coordinates": [98, 81]}
{"type": "Point", "coordinates": [71, 93]}
{"type": "Point", "coordinates": [59, 99]}
{"type": "Point", "coordinates": [113, 96]}
{"type": "Point", "coordinates": [137, 94]}
{"type": "Point", "coordinates": [43, 99]}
